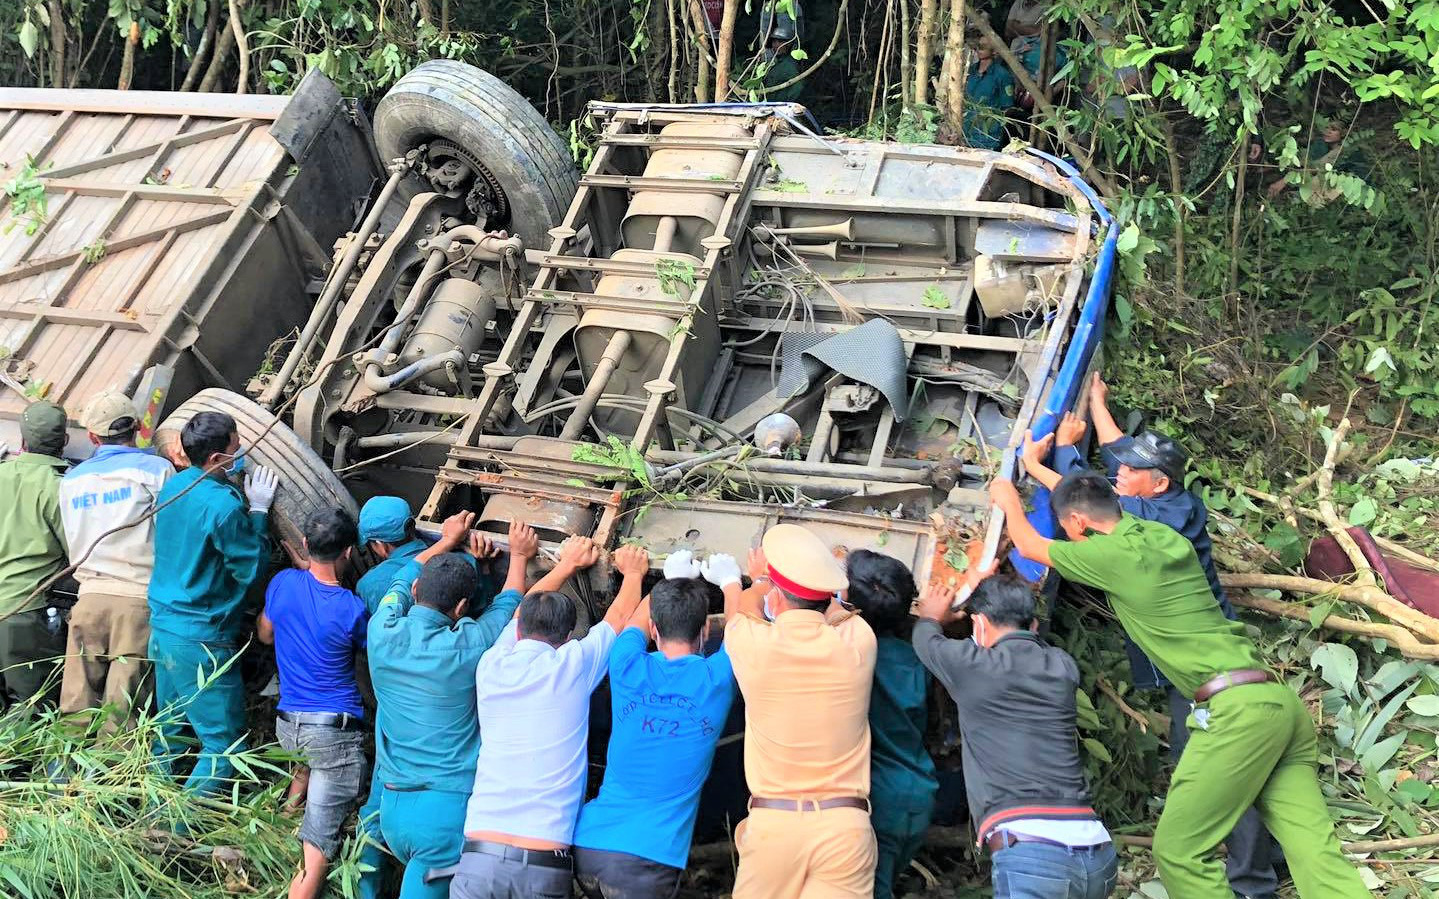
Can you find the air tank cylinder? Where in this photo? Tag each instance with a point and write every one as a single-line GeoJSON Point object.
{"type": "Point", "coordinates": [454, 318]}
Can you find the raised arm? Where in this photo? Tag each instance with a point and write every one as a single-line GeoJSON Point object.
{"type": "Point", "coordinates": [1033, 456]}
{"type": "Point", "coordinates": [576, 553]}
{"type": "Point", "coordinates": [1030, 543]}
{"type": "Point", "coordinates": [524, 546]}
{"type": "Point", "coordinates": [633, 563]}
{"type": "Point", "coordinates": [1105, 429]}
{"type": "Point", "coordinates": [751, 601]}
{"type": "Point", "coordinates": [454, 533]}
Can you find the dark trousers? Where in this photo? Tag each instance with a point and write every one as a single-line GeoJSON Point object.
{"type": "Point", "coordinates": [1252, 851]}
{"type": "Point", "coordinates": [619, 875]}
{"type": "Point", "coordinates": [30, 656]}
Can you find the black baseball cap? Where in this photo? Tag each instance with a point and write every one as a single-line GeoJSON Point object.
{"type": "Point", "coordinates": [1151, 450]}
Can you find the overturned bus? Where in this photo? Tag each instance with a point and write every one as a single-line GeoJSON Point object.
{"type": "Point", "coordinates": [726, 321]}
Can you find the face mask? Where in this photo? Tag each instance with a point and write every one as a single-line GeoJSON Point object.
{"type": "Point", "coordinates": [237, 464]}
{"type": "Point", "coordinates": [974, 634]}
{"type": "Point", "coordinates": [768, 615]}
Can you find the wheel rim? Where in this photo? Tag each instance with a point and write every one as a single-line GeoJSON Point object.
{"type": "Point", "coordinates": [484, 198]}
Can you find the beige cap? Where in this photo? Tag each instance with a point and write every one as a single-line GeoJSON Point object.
{"type": "Point", "coordinates": [800, 563]}
{"type": "Point", "coordinates": [109, 414]}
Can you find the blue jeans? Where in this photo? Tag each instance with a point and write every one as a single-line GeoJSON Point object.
{"type": "Point", "coordinates": [1048, 871]}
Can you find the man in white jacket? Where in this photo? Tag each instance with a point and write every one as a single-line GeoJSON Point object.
{"type": "Point", "coordinates": [110, 624]}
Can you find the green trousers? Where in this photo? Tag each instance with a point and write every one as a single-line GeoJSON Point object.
{"type": "Point", "coordinates": [899, 839]}
{"type": "Point", "coordinates": [1250, 745]}
{"type": "Point", "coordinates": [198, 685]}
{"type": "Point", "coordinates": [30, 657]}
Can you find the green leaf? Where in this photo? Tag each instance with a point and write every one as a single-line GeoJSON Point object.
{"type": "Point", "coordinates": [1382, 752]}
{"type": "Point", "coordinates": [798, 54]}
{"type": "Point", "coordinates": [935, 298]}
{"type": "Point", "coordinates": [1427, 705]}
{"type": "Point", "coordinates": [1096, 750]}
{"type": "Point", "coordinates": [1363, 512]}
{"type": "Point", "coordinates": [29, 38]}
{"type": "Point", "coordinates": [1337, 664]}
{"type": "Point", "coordinates": [1128, 238]}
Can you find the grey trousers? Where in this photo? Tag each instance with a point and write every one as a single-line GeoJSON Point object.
{"type": "Point", "coordinates": [482, 876]}
{"type": "Point", "coordinates": [1252, 852]}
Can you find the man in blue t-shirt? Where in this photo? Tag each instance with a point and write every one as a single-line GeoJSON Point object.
{"type": "Point", "coordinates": [669, 707]}
{"type": "Point", "coordinates": [317, 627]}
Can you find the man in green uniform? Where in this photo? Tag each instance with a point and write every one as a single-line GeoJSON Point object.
{"type": "Point", "coordinates": [988, 94]}
{"type": "Point", "coordinates": [1252, 741]}
{"type": "Point", "coordinates": [780, 66]}
{"type": "Point", "coordinates": [32, 549]}
{"type": "Point", "coordinates": [901, 773]}
{"type": "Point", "coordinates": [423, 654]}
{"type": "Point", "coordinates": [209, 546]}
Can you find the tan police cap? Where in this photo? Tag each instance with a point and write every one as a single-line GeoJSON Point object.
{"type": "Point", "coordinates": [801, 565]}
{"type": "Point", "coordinates": [109, 414]}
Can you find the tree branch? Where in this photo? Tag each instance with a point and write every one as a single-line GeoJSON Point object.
{"type": "Point", "coordinates": [1398, 637]}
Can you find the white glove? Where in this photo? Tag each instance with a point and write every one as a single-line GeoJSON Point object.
{"type": "Point", "coordinates": [720, 569]}
{"type": "Point", "coordinates": [681, 564]}
{"type": "Point", "coordinates": [260, 487]}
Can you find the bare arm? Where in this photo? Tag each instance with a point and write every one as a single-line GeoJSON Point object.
{"type": "Point", "coordinates": [524, 545]}
{"type": "Point", "coordinates": [453, 534]}
{"type": "Point", "coordinates": [575, 554]}
{"type": "Point", "coordinates": [1030, 543]}
{"type": "Point", "coordinates": [265, 630]}
{"type": "Point", "coordinates": [640, 620]}
{"type": "Point", "coordinates": [632, 562]}
{"type": "Point", "coordinates": [1033, 456]}
{"type": "Point", "coordinates": [1105, 429]}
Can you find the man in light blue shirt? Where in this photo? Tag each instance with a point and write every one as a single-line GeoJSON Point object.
{"type": "Point", "coordinates": [423, 651]}
{"type": "Point", "coordinates": [533, 693]}
{"type": "Point", "coordinates": [387, 529]}
{"type": "Point", "coordinates": [669, 707]}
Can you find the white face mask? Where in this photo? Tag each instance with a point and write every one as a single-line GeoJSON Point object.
{"type": "Point", "coordinates": [768, 614]}
{"type": "Point", "coordinates": [974, 633]}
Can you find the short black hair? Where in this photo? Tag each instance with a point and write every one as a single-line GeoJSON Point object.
{"type": "Point", "coordinates": [328, 533]}
{"type": "Point", "coordinates": [126, 434]}
{"type": "Point", "coordinates": [678, 607]}
{"type": "Point", "coordinates": [445, 581]}
{"type": "Point", "coordinates": [548, 616]}
{"type": "Point", "coordinates": [811, 605]}
{"type": "Point", "coordinates": [1086, 492]}
{"type": "Point", "coordinates": [205, 434]}
{"type": "Point", "coordinates": [1005, 600]}
{"type": "Point", "coordinates": [882, 588]}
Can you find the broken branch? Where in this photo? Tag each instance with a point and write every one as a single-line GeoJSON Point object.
{"type": "Point", "coordinates": [1398, 637]}
{"type": "Point", "coordinates": [1367, 595]}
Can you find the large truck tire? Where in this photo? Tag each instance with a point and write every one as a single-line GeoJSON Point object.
{"type": "Point", "coordinates": [523, 156]}
{"type": "Point", "coordinates": [306, 483]}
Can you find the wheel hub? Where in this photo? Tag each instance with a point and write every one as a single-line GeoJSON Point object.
{"type": "Point", "coordinates": [449, 165]}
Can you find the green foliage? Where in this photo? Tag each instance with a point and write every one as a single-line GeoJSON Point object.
{"type": "Point", "coordinates": [616, 454]}
{"type": "Point", "coordinates": [28, 203]}
{"type": "Point", "coordinates": [675, 272]}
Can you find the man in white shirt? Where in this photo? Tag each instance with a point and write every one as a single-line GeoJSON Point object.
{"type": "Point", "coordinates": [533, 694]}
{"type": "Point", "coordinates": [110, 623]}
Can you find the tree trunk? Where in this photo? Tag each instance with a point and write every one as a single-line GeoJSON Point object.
{"type": "Point", "coordinates": [1181, 212]}
{"type": "Point", "coordinates": [924, 49]}
{"type": "Point", "coordinates": [127, 61]}
{"type": "Point", "coordinates": [207, 43]}
{"type": "Point", "coordinates": [1238, 219]}
{"type": "Point", "coordinates": [956, 67]}
{"type": "Point", "coordinates": [57, 43]}
{"type": "Point", "coordinates": [906, 61]}
{"type": "Point", "coordinates": [224, 46]}
{"type": "Point", "coordinates": [726, 50]}
{"type": "Point", "coordinates": [702, 70]}
{"type": "Point", "coordinates": [672, 87]}
{"type": "Point", "coordinates": [427, 12]}
{"type": "Point", "coordinates": [242, 47]}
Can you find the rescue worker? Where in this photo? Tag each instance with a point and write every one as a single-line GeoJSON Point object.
{"type": "Point", "coordinates": [387, 528]}
{"type": "Point", "coordinates": [318, 627]}
{"type": "Point", "coordinates": [107, 504]}
{"type": "Point", "coordinates": [1023, 778]}
{"type": "Point", "coordinates": [32, 550]}
{"type": "Point", "coordinates": [988, 95]}
{"type": "Point", "coordinates": [1148, 476]}
{"type": "Point", "coordinates": [209, 546]}
{"type": "Point", "coordinates": [902, 775]}
{"type": "Point", "coordinates": [533, 694]}
{"type": "Point", "coordinates": [1252, 740]}
{"type": "Point", "coordinates": [806, 685]}
{"type": "Point", "coordinates": [668, 710]}
{"type": "Point", "coordinates": [780, 65]}
{"type": "Point", "coordinates": [423, 651]}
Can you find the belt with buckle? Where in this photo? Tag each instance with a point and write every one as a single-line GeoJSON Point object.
{"type": "Point", "coordinates": [1222, 682]}
{"type": "Point", "coordinates": [809, 805]}
{"type": "Point", "coordinates": [543, 858]}
{"type": "Point", "coordinates": [338, 720]}
{"type": "Point", "coordinates": [1003, 839]}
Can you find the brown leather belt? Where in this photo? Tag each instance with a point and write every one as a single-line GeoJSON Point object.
{"type": "Point", "coordinates": [1222, 682]}
{"type": "Point", "coordinates": [1003, 839]}
{"type": "Point", "coordinates": [809, 805]}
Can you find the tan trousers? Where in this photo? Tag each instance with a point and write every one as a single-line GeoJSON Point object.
{"type": "Point", "coordinates": [829, 854]}
{"type": "Point", "coordinates": [105, 658]}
